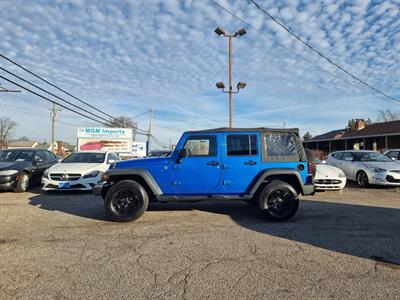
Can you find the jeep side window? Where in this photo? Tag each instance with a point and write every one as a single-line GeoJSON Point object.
{"type": "Point", "coordinates": [280, 146]}
{"type": "Point", "coordinates": [241, 144]}
{"type": "Point", "coordinates": [201, 146]}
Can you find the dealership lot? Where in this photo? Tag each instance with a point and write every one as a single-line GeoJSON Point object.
{"type": "Point", "coordinates": [340, 244]}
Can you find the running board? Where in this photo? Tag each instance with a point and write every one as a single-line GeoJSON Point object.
{"type": "Point", "coordinates": [171, 198]}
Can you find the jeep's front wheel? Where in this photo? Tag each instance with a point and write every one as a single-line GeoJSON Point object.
{"type": "Point", "coordinates": [278, 200]}
{"type": "Point", "coordinates": [126, 201]}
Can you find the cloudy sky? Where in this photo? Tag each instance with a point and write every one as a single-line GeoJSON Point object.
{"type": "Point", "coordinates": [128, 57]}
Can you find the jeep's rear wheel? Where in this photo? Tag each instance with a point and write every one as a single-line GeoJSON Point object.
{"type": "Point", "coordinates": [126, 201]}
{"type": "Point", "coordinates": [278, 200]}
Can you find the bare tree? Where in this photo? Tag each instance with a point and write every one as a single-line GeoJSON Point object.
{"type": "Point", "coordinates": [124, 122]}
{"type": "Point", "coordinates": [307, 136]}
{"type": "Point", "coordinates": [388, 115]}
{"type": "Point", "coordinates": [6, 128]}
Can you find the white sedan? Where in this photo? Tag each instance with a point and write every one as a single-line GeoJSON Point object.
{"type": "Point", "coordinates": [78, 171]}
{"type": "Point", "coordinates": [329, 178]}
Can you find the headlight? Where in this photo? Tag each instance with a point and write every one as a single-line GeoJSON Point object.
{"type": "Point", "coordinates": [8, 172]}
{"type": "Point", "coordinates": [341, 174]}
{"type": "Point", "coordinates": [91, 174]}
{"type": "Point", "coordinates": [46, 173]}
{"type": "Point", "coordinates": [377, 170]}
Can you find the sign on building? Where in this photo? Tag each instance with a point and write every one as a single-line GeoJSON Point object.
{"type": "Point", "coordinates": [118, 140]}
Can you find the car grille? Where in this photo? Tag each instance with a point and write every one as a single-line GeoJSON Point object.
{"type": "Point", "coordinates": [65, 176]}
{"type": "Point", "coordinates": [327, 181]}
{"type": "Point", "coordinates": [395, 171]}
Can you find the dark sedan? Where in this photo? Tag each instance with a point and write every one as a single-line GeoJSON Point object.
{"type": "Point", "coordinates": [23, 168]}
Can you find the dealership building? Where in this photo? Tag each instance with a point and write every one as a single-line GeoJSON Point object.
{"type": "Point", "coordinates": [377, 136]}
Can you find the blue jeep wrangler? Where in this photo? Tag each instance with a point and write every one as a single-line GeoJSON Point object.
{"type": "Point", "coordinates": [263, 166]}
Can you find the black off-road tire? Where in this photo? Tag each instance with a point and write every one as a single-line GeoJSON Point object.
{"type": "Point", "coordinates": [22, 184]}
{"type": "Point", "coordinates": [126, 201]}
{"type": "Point", "coordinates": [278, 200]}
{"type": "Point", "coordinates": [311, 160]}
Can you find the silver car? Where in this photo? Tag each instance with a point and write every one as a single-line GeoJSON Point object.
{"type": "Point", "coordinates": [393, 154]}
{"type": "Point", "coordinates": [366, 167]}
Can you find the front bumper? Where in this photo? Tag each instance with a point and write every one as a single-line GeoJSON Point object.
{"type": "Point", "coordinates": [82, 184]}
{"type": "Point", "coordinates": [387, 178]}
{"type": "Point", "coordinates": [98, 188]}
{"type": "Point", "coordinates": [8, 182]}
{"type": "Point", "coordinates": [330, 184]}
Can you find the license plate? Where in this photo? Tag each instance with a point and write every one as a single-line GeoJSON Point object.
{"type": "Point", "coordinates": [63, 185]}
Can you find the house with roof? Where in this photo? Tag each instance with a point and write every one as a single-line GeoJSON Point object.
{"type": "Point", "coordinates": [22, 144]}
{"type": "Point", "coordinates": [376, 136]}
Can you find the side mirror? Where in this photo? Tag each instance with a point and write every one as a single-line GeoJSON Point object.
{"type": "Point", "coordinates": [111, 161]}
{"type": "Point", "coordinates": [181, 154]}
{"type": "Point", "coordinates": [38, 161]}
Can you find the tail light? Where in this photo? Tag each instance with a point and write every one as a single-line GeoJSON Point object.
{"type": "Point", "coordinates": [310, 168]}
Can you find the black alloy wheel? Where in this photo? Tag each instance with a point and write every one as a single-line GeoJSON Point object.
{"type": "Point", "coordinates": [125, 201]}
{"type": "Point", "coordinates": [278, 200]}
{"type": "Point", "coordinates": [362, 179]}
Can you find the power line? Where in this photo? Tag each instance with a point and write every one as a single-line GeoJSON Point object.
{"type": "Point", "coordinates": [293, 52]}
{"type": "Point", "coordinates": [321, 54]}
{"type": "Point", "coordinates": [43, 90]}
{"type": "Point", "coordinates": [53, 85]}
{"type": "Point", "coordinates": [52, 101]}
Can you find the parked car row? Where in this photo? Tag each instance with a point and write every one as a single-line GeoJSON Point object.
{"type": "Point", "coordinates": [24, 168]}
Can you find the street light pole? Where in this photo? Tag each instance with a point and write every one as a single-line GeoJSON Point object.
{"type": "Point", "coordinates": [221, 85]}
{"type": "Point", "coordinates": [230, 81]}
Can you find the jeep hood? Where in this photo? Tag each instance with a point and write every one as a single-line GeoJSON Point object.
{"type": "Point", "coordinates": [137, 163]}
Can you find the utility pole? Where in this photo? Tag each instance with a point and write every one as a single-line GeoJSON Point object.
{"type": "Point", "coordinates": [53, 113]}
{"type": "Point", "coordinates": [241, 85]}
{"type": "Point", "coordinates": [149, 132]}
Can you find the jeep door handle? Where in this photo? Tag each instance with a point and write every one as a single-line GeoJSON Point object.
{"type": "Point", "coordinates": [212, 163]}
{"type": "Point", "coordinates": [250, 162]}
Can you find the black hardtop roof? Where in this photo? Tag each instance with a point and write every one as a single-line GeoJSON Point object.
{"type": "Point", "coordinates": [261, 129]}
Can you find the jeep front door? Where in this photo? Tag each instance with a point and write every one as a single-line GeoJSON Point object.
{"type": "Point", "coordinates": [199, 172]}
{"type": "Point", "coordinates": [241, 162]}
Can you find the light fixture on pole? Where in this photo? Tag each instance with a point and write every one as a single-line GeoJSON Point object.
{"type": "Point", "coordinates": [220, 85]}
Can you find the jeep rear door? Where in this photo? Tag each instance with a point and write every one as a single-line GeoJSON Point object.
{"type": "Point", "coordinates": [199, 173]}
{"type": "Point", "coordinates": [241, 161]}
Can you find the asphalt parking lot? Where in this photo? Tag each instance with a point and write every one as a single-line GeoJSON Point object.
{"type": "Point", "coordinates": [339, 245]}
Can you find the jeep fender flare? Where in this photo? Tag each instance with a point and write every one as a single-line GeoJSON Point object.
{"type": "Point", "coordinates": [143, 173]}
{"type": "Point", "coordinates": [276, 172]}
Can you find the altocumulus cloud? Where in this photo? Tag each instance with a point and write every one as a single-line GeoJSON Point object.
{"type": "Point", "coordinates": [127, 57]}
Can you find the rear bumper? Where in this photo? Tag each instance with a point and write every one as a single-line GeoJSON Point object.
{"type": "Point", "coordinates": [308, 189]}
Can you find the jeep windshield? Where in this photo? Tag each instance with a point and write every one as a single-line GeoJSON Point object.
{"type": "Point", "coordinates": [16, 155]}
{"type": "Point", "coordinates": [371, 156]}
{"type": "Point", "coordinates": [85, 157]}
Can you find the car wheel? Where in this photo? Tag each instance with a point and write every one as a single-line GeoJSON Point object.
{"type": "Point", "coordinates": [22, 183]}
{"type": "Point", "coordinates": [278, 200]}
{"type": "Point", "coordinates": [126, 201]}
{"type": "Point", "coordinates": [362, 179]}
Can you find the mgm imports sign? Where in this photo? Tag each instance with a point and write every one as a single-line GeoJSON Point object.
{"type": "Point", "coordinates": [118, 140]}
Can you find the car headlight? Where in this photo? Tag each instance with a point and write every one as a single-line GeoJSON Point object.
{"type": "Point", "coordinates": [376, 170]}
{"type": "Point", "coordinates": [8, 172]}
{"type": "Point", "coordinates": [46, 173]}
{"type": "Point", "coordinates": [341, 174]}
{"type": "Point", "coordinates": [92, 174]}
